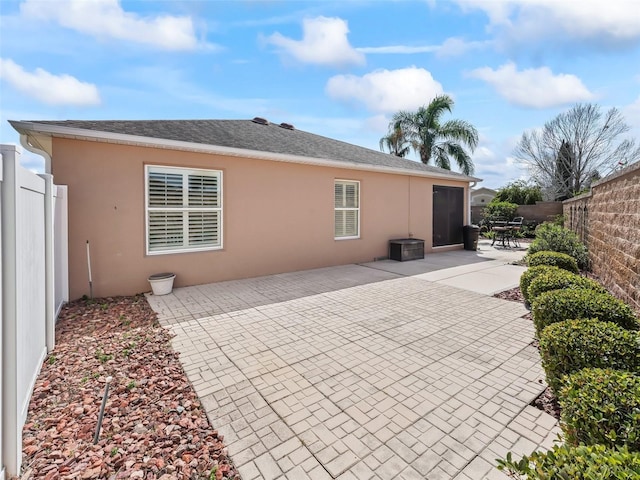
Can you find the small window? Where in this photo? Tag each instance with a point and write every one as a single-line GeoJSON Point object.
{"type": "Point", "coordinates": [347, 209]}
{"type": "Point", "coordinates": [183, 209]}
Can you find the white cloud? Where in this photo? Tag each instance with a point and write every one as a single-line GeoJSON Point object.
{"type": "Point", "coordinates": [494, 165]}
{"type": "Point", "coordinates": [453, 46]}
{"type": "Point", "coordinates": [378, 123]}
{"type": "Point", "coordinates": [535, 87]}
{"type": "Point", "coordinates": [400, 49]}
{"type": "Point", "coordinates": [47, 87]}
{"type": "Point", "coordinates": [107, 19]}
{"type": "Point", "coordinates": [386, 91]}
{"type": "Point", "coordinates": [605, 21]}
{"type": "Point", "coordinates": [632, 115]}
{"type": "Point", "coordinates": [456, 46]}
{"type": "Point", "coordinates": [324, 42]}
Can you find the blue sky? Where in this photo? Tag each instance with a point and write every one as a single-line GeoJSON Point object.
{"type": "Point", "coordinates": [338, 69]}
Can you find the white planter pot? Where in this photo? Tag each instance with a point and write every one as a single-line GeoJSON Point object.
{"type": "Point", "coordinates": [162, 283]}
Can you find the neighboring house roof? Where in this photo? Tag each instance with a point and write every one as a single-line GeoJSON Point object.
{"type": "Point", "coordinates": [483, 191]}
{"type": "Point", "coordinates": [234, 137]}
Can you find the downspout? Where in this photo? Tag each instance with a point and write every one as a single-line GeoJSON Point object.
{"type": "Point", "coordinates": [471, 185]}
{"type": "Point", "coordinates": [24, 141]}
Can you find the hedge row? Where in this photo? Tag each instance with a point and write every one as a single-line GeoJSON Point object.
{"type": "Point", "coordinates": [554, 259]}
{"type": "Point", "coordinates": [559, 279]}
{"type": "Point", "coordinates": [569, 346]}
{"type": "Point", "coordinates": [560, 305]}
{"type": "Point", "coordinates": [585, 462]}
{"type": "Point", "coordinates": [590, 349]}
{"type": "Point", "coordinates": [601, 406]}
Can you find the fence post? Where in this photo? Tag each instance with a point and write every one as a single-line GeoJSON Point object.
{"type": "Point", "coordinates": [50, 308]}
{"type": "Point", "coordinates": [11, 433]}
{"type": "Point", "coordinates": [61, 247]}
{"type": "Point", "coordinates": [1, 326]}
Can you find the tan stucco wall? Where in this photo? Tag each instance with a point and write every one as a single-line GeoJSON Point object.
{"type": "Point", "coordinates": [278, 217]}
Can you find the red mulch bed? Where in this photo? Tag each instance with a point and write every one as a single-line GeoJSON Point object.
{"type": "Point", "coordinates": [154, 426]}
{"type": "Point", "coordinates": [514, 295]}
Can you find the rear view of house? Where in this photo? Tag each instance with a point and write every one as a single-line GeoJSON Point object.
{"type": "Point", "coordinates": [215, 200]}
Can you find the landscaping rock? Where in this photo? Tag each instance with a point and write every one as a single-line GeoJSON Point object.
{"type": "Point", "coordinates": [154, 426]}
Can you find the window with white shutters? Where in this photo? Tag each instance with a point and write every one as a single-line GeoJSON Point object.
{"type": "Point", "coordinates": [347, 209]}
{"type": "Point", "coordinates": [183, 209]}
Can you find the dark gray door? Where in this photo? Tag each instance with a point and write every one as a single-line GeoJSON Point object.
{"type": "Point", "coordinates": [448, 215]}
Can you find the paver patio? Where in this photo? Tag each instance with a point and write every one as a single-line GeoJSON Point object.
{"type": "Point", "coordinates": [354, 372]}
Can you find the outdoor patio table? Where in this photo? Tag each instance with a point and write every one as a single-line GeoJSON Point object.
{"type": "Point", "coordinates": [504, 232]}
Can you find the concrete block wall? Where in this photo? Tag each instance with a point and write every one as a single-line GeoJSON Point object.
{"type": "Point", "coordinates": [538, 213]}
{"type": "Point", "coordinates": [609, 220]}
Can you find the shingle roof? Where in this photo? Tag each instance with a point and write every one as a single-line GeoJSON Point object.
{"type": "Point", "coordinates": [249, 135]}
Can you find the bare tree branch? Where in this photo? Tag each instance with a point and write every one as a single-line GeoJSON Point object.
{"type": "Point", "coordinates": [574, 148]}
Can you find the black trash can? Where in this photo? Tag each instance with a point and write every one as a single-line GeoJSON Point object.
{"type": "Point", "coordinates": [470, 234]}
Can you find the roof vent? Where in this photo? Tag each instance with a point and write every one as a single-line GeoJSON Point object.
{"type": "Point", "coordinates": [260, 120]}
{"type": "Point", "coordinates": [288, 126]}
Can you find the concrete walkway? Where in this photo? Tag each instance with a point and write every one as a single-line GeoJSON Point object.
{"type": "Point", "coordinates": [365, 371]}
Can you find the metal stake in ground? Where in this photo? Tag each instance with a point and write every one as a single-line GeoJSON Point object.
{"type": "Point", "coordinates": [89, 268]}
{"type": "Point", "coordinates": [104, 404]}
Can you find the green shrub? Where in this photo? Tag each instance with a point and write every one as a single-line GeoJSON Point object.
{"type": "Point", "coordinates": [569, 346]}
{"type": "Point", "coordinates": [504, 210]}
{"type": "Point", "coordinates": [559, 239]}
{"type": "Point", "coordinates": [529, 275]}
{"type": "Point", "coordinates": [520, 193]}
{"type": "Point", "coordinates": [586, 462]}
{"type": "Point", "coordinates": [560, 279]}
{"type": "Point", "coordinates": [554, 259]}
{"type": "Point", "coordinates": [601, 406]}
{"type": "Point", "coordinates": [559, 305]}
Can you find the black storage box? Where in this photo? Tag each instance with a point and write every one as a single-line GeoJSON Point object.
{"type": "Point", "coordinates": [403, 249]}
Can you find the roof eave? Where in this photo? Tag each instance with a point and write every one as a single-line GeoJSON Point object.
{"type": "Point", "coordinates": [126, 139]}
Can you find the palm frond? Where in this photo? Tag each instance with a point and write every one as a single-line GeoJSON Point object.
{"type": "Point", "coordinates": [461, 157]}
{"type": "Point", "coordinates": [441, 157]}
{"type": "Point", "coordinates": [460, 131]}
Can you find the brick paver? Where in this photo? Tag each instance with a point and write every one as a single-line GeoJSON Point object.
{"type": "Point", "coordinates": [355, 373]}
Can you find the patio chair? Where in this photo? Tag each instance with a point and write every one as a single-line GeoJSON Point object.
{"type": "Point", "coordinates": [514, 230]}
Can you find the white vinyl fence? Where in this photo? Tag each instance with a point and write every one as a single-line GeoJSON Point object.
{"type": "Point", "coordinates": [33, 287]}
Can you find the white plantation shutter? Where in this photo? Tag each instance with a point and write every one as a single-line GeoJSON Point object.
{"type": "Point", "coordinates": [204, 228]}
{"type": "Point", "coordinates": [347, 209]}
{"type": "Point", "coordinates": [166, 230]}
{"type": "Point", "coordinates": [184, 209]}
{"type": "Point", "coordinates": [203, 191]}
{"type": "Point", "coordinates": [165, 189]}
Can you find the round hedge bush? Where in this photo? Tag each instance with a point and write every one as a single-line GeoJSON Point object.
{"type": "Point", "coordinates": [601, 406]}
{"type": "Point", "coordinates": [560, 279]}
{"type": "Point", "coordinates": [554, 259]}
{"type": "Point", "coordinates": [527, 277]}
{"type": "Point", "coordinates": [560, 305]}
{"type": "Point", "coordinates": [569, 346]}
{"type": "Point", "coordinates": [550, 237]}
{"type": "Point", "coordinates": [585, 462]}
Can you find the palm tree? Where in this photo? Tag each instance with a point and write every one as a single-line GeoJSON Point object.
{"type": "Point", "coordinates": [395, 141]}
{"type": "Point", "coordinates": [432, 139]}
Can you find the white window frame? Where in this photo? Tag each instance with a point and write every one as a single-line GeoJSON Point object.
{"type": "Point", "coordinates": [357, 182]}
{"type": "Point", "coordinates": [184, 171]}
